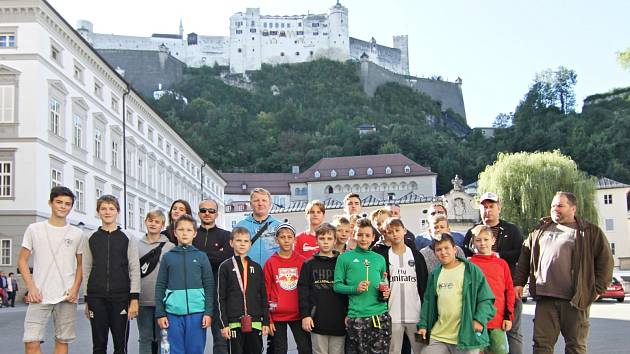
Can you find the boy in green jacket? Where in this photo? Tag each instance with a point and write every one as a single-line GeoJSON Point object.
{"type": "Point", "coordinates": [358, 274]}
{"type": "Point", "coordinates": [458, 303]}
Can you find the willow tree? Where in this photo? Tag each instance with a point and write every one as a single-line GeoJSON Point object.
{"type": "Point", "coordinates": [527, 182]}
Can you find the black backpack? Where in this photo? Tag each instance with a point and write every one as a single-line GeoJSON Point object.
{"type": "Point", "coordinates": [150, 260]}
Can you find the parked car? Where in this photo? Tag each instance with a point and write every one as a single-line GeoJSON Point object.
{"type": "Point", "coordinates": [615, 291]}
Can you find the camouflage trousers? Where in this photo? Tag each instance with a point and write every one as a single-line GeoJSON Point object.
{"type": "Point", "coordinates": [369, 335]}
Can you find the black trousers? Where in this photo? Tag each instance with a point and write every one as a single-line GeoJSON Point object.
{"type": "Point", "coordinates": [105, 316]}
{"type": "Point", "coordinates": [245, 343]}
{"type": "Point", "coordinates": [302, 338]}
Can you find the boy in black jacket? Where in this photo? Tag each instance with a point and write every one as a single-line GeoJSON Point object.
{"type": "Point", "coordinates": [112, 271]}
{"type": "Point", "coordinates": [243, 307]}
{"type": "Point", "coordinates": [323, 311]}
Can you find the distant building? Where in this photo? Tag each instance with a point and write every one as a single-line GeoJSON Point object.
{"type": "Point", "coordinates": [69, 118]}
{"type": "Point", "coordinates": [486, 132]}
{"type": "Point", "coordinates": [257, 39]}
{"type": "Point", "coordinates": [614, 218]}
{"type": "Point", "coordinates": [366, 128]}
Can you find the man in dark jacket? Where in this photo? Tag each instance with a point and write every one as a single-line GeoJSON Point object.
{"type": "Point", "coordinates": [507, 246]}
{"type": "Point", "coordinates": [569, 264]}
{"type": "Point", "coordinates": [215, 243]}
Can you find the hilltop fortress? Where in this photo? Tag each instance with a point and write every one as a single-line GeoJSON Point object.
{"type": "Point", "coordinates": [156, 63]}
{"type": "Point", "coordinates": [257, 39]}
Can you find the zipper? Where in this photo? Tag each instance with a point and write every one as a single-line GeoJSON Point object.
{"type": "Point", "coordinates": [186, 284]}
{"type": "Point", "coordinates": [108, 249]}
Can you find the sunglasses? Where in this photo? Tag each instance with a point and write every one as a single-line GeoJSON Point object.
{"type": "Point", "coordinates": [207, 210]}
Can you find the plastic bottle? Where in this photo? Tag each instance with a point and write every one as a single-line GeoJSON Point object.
{"type": "Point", "coordinates": [164, 344]}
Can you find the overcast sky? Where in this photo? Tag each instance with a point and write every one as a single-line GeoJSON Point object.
{"type": "Point", "coordinates": [495, 46]}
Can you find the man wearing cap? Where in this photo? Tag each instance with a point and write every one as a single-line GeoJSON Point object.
{"type": "Point", "coordinates": [507, 246]}
{"type": "Point", "coordinates": [424, 239]}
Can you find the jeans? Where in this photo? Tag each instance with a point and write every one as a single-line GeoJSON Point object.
{"type": "Point", "coordinates": [149, 336]}
{"type": "Point", "coordinates": [515, 337]}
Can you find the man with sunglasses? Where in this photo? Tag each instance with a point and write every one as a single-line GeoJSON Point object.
{"type": "Point", "coordinates": [424, 239]}
{"type": "Point", "coordinates": [215, 242]}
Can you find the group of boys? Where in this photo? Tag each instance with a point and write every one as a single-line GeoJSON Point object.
{"type": "Point", "coordinates": [358, 285]}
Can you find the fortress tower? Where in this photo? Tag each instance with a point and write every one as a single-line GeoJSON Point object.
{"type": "Point", "coordinates": [338, 38]}
{"type": "Point", "coordinates": [402, 43]}
{"type": "Point", "coordinates": [245, 46]}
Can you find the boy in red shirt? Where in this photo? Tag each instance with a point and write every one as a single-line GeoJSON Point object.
{"type": "Point", "coordinates": [306, 242]}
{"type": "Point", "coordinates": [282, 271]}
{"type": "Point", "coordinates": [499, 278]}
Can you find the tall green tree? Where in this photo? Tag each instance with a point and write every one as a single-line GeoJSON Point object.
{"type": "Point", "coordinates": [527, 183]}
{"type": "Point", "coordinates": [624, 59]}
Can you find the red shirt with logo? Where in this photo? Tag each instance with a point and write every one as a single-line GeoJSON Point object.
{"type": "Point", "coordinates": [281, 278]}
{"type": "Point", "coordinates": [306, 244]}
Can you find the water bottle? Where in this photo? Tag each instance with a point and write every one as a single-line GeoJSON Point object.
{"type": "Point", "coordinates": [164, 344]}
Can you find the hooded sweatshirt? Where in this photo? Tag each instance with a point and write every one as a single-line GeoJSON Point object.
{"type": "Point", "coordinates": [499, 277]}
{"type": "Point", "coordinates": [147, 295]}
{"type": "Point", "coordinates": [317, 297]}
{"type": "Point", "coordinates": [281, 280]}
{"type": "Point", "coordinates": [266, 244]}
{"type": "Point", "coordinates": [185, 284]}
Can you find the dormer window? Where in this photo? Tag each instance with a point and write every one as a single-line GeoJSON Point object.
{"type": "Point", "coordinates": [244, 186]}
{"type": "Point", "coordinates": [407, 169]}
{"type": "Point", "coordinates": [333, 173]}
{"type": "Point", "coordinates": [351, 173]}
{"type": "Point", "coordinates": [388, 170]}
{"type": "Point", "coordinates": [370, 171]}
{"type": "Point", "coordinates": [317, 174]}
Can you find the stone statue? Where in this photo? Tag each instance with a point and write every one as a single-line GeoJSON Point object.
{"type": "Point", "coordinates": [458, 184]}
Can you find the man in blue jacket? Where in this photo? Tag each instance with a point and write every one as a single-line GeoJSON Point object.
{"type": "Point", "coordinates": [263, 242]}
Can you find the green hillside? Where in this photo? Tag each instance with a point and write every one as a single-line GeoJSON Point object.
{"type": "Point", "coordinates": [297, 114]}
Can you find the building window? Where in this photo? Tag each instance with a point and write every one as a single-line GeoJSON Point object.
{"type": "Point", "coordinates": [77, 132]}
{"type": "Point", "coordinates": [98, 191]}
{"type": "Point", "coordinates": [115, 154]}
{"type": "Point", "coordinates": [150, 134]}
{"type": "Point", "coordinates": [168, 149]}
{"type": "Point", "coordinates": [333, 173]}
{"type": "Point", "coordinates": [54, 121]}
{"type": "Point", "coordinates": [281, 54]}
{"type": "Point", "coordinates": [129, 117]}
{"type": "Point", "coordinates": [141, 169]}
{"type": "Point", "coordinates": [610, 225]}
{"type": "Point", "coordinates": [5, 252]}
{"type": "Point", "coordinates": [78, 73]}
{"type": "Point", "coordinates": [114, 104]}
{"type": "Point", "coordinates": [252, 30]}
{"type": "Point", "coordinates": [130, 159]}
{"type": "Point", "coordinates": [238, 31]}
{"type": "Point", "coordinates": [98, 143]}
{"type": "Point", "coordinates": [160, 142]}
{"type": "Point", "coordinates": [300, 33]}
{"type": "Point", "coordinates": [315, 24]}
{"type": "Point", "coordinates": [370, 171]}
{"type": "Point", "coordinates": [612, 248]}
{"type": "Point", "coordinates": [7, 40]}
{"type": "Point", "coordinates": [98, 89]}
{"type": "Point", "coordinates": [55, 54]}
{"type": "Point", "coordinates": [407, 169]}
{"type": "Point", "coordinates": [131, 205]}
{"type": "Point", "coordinates": [7, 103]}
{"type": "Point", "coordinates": [79, 192]}
{"type": "Point", "coordinates": [388, 170]}
{"type": "Point", "coordinates": [351, 172]}
{"type": "Point", "coordinates": [6, 178]}
{"type": "Point", "coordinates": [141, 126]}
{"type": "Point", "coordinates": [56, 177]}
{"type": "Point", "coordinates": [141, 218]}
{"type": "Point", "coordinates": [317, 174]}
{"type": "Point", "coordinates": [297, 54]}
{"type": "Point", "coordinates": [607, 199]}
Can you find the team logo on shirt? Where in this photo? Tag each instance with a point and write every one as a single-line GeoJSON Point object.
{"type": "Point", "coordinates": [411, 263]}
{"type": "Point", "coordinates": [68, 242]}
{"type": "Point", "coordinates": [287, 278]}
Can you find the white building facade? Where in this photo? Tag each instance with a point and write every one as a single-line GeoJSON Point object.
{"type": "Point", "coordinates": [257, 39]}
{"type": "Point", "coordinates": [614, 218]}
{"type": "Point", "coordinates": [61, 123]}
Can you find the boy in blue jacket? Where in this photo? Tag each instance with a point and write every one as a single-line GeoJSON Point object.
{"type": "Point", "coordinates": [184, 295]}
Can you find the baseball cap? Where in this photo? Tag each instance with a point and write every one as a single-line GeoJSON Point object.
{"type": "Point", "coordinates": [285, 225]}
{"type": "Point", "coordinates": [488, 196]}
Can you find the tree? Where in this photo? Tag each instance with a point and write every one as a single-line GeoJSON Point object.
{"type": "Point", "coordinates": [557, 88]}
{"type": "Point", "coordinates": [527, 183]}
{"type": "Point", "coordinates": [503, 120]}
{"type": "Point", "coordinates": [624, 59]}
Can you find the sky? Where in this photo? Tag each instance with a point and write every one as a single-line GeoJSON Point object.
{"type": "Point", "coordinates": [495, 46]}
